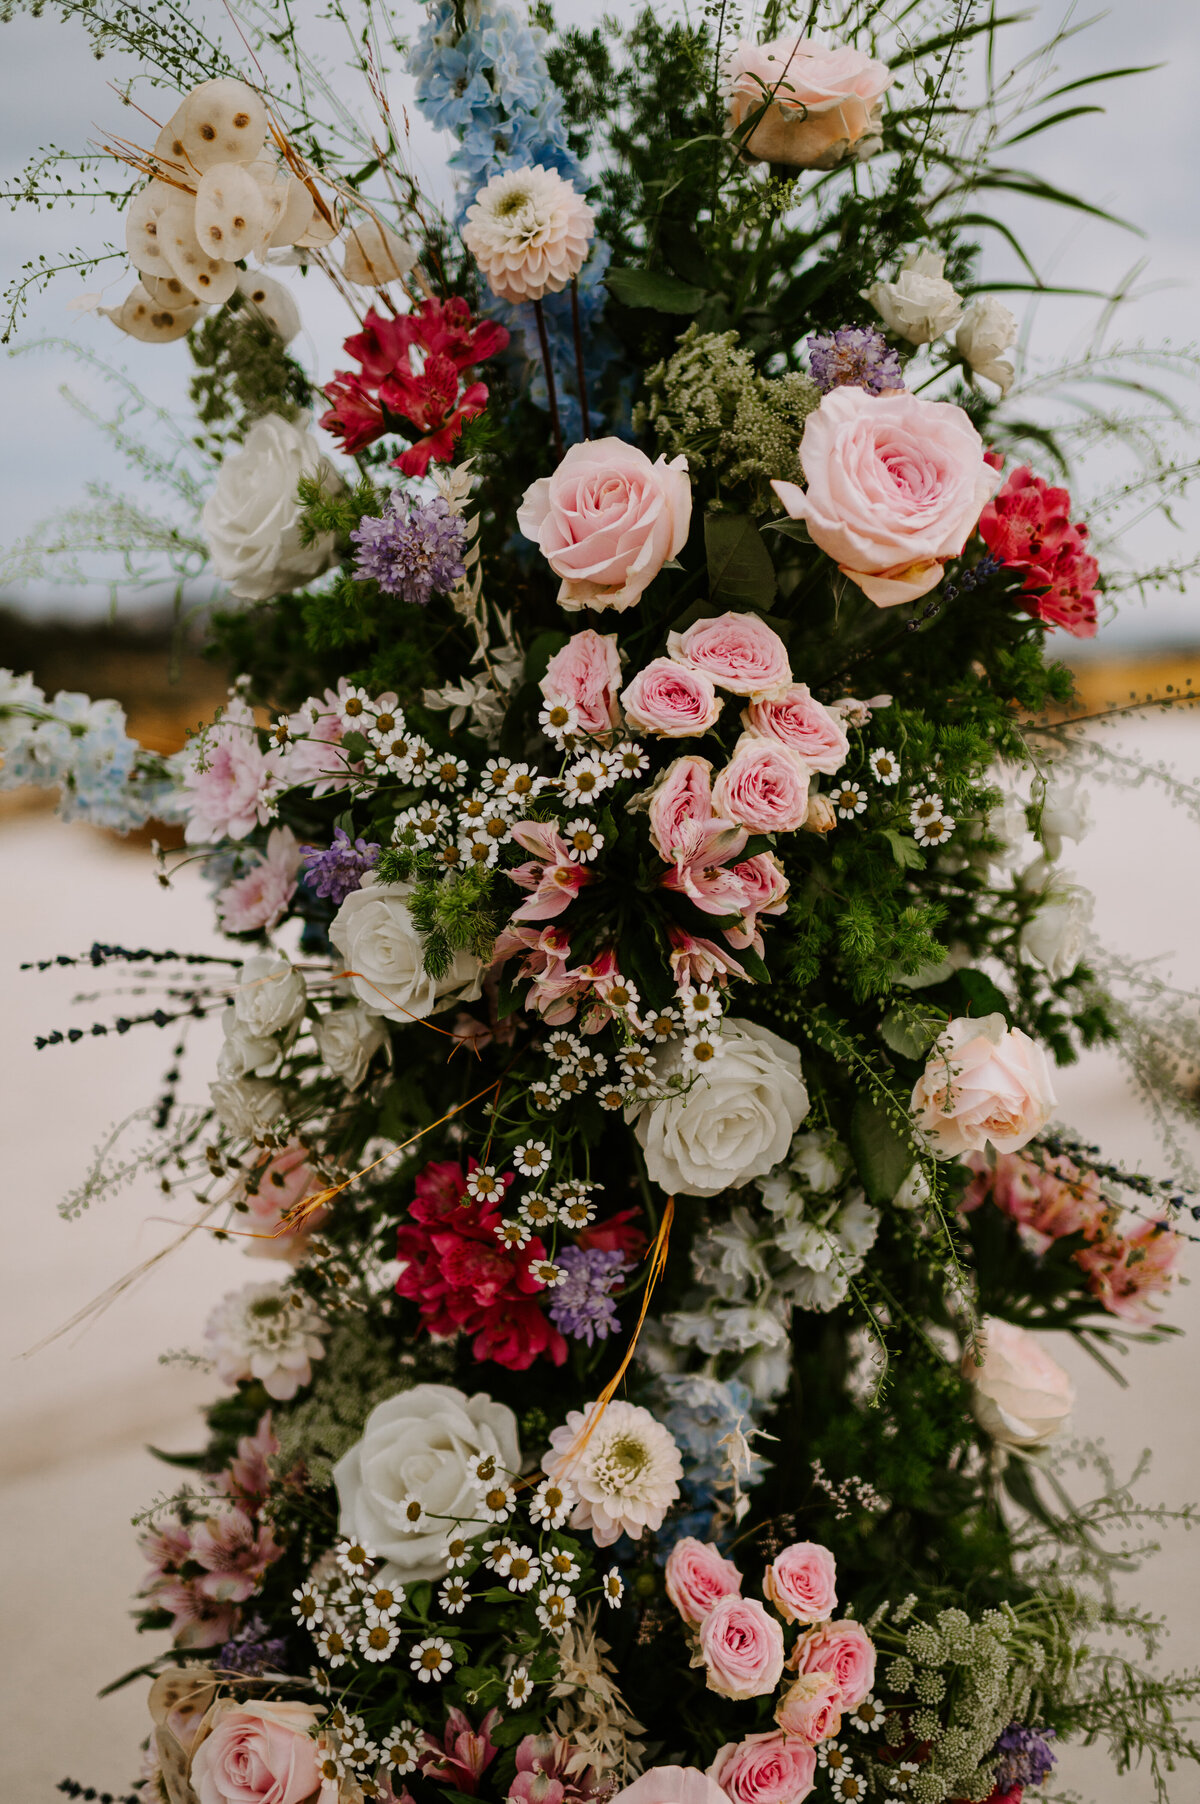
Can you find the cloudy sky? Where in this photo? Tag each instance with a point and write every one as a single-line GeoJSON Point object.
{"type": "Point", "coordinates": [1139, 159]}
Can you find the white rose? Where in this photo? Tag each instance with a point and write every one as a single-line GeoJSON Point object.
{"type": "Point", "coordinates": [1020, 1396]}
{"type": "Point", "coordinates": [1064, 814]}
{"type": "Point", "coordinates": [734, 1123]}
{"type": "Point", "coordinates": [986, 331]}
{"type": "Point", "coordinates": [242, 1051]}
{"type": "Point", "coordinates": [246, 1105]}
{"type": "Point", "coordinates": [347, 1038]}
{"type": "Point", "coordinates": [1056, 935]}
{"type": "Point", "coordinates": [920, 304]}
{"type": "Point", "coordinates": [270, 996]}
{"type": "Point", "coordinates": [416, 1446]}
{"type": "Point", "coordinates": [252, 517]}
{"type": "Point", "coordinates": [375, 933]}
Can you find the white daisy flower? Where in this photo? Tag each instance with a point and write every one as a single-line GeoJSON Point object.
{"type": "Point", "coordinates": [576, 1212]}
{"type": "Point", "coordinates": [663, 1024]}
{"type": "Point", "coordinates": [496, 1551]}
{"type": "Point", "coordinates": [626, 760]}
{"type": "Point", "coordinates": [432, 1659]}
{"type": "Point", "coordinates": [411, 1518]}
{"type": "Point", "coordinates": [456, 1552]}
{"type": "Point", "coordinates": [561, 1565]}
{"type": "Point", "coordinates": [382, 722]}
{"type": "Point", "coordinates": [611, 1097]}
{"type": "Point", "coordinates": [885, 767]}
{"type": "Point", "coordinates": [546, 1272]}
{"type": "Point", "coordinates": [702, 1048]}
{"type": "Point", "coordinates": [556, 1606]}
{"type": "Point", "coordinates": [833, 1756]}
{"type": "Point", "coordinates": [586, 780]}
{"type": "Point", "coordinates": [520, 1688]}
{"type": "Point", "coordinates": [632, 1058]}
{"type": "Point", "coordinates": [451, 857]}
{"type": "Point", "coordinates": [471, 808]}
{"type": "Point", "coordinates": [868, 1715]}
{"type": "Point", "coordinates": [521, 785]}
{"type": "Point", "coordinates": [495, 824]}
{"type": "Point", "coordinates": [926, 808]}
{"type": "Point", "coordinates": [332, 1643]}
{"type": "Point", "coordinates": [400, 1748]}
{"type": "Point", "coordinates": [384, 1600]}
{"type": "Point", "coordinates": [482, 1468]}
{"type": "Point", "coordinates": [331, 1769]}
{"type": "Point", "coordinates": [701, 1006]}
{"type": "Point", "coordinates": [532, 1158]}
{"type": "Point", "coordinates": [551, 1503]}
{"type": "Point", "coordinates": [544, 1096]}
{"type": "Point", "coordinates": [935, 832]}
{"type": "Point", "coordinates": [354, 709]}
{"type": "Point", "coordinates": [498, 1501]}
{"type": "Point", "coordinates": [583, 840]}
{"type": "Point", "coordinates": [308, 1607]}
{"type": "Point", "coordinates": [614, 1588]}
{"type": "Point", "coordinates": [355, 1557]}
{"type": "Point", "coordinates": [591, 1064]}
{"type": "Point", "coordinates": [377, 1641]}
{"type": "Point", "coordinates": [484, 1184]}
{"type": "Point", "coordinates": [416, 764]}
{"type": "Point", "coordinates": [495, 773]}
{"type": "Point", "coordinates": [512, 1234]}
{"type": "Point", "coordinates": [538, 1210]}
{"type": "Point", "coordinates": [448, 772]}
{"type": "Point", "coordinates": [568, 1082]}
{"type": "Point", "coordinates": [358, 1750]}
{"type": "Point", "coordinates": [563, 1047]}
{"type": "Point", "coordinates": [849, 1787]}
{"type": "Point", "coordinates": [453, 1596]}
{"type": "Point", "coordinates": [848, 799]}
{"type": "Point", "coordinates": [558, 722]}
{"type": "Point", "coordinates": [478, 850]}
{"type": "Point", "coordinates": [522, 1571]}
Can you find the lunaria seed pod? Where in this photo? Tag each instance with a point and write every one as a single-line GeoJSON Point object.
{"type": "Point", "coordinates": [142, 318]}
{"type": "Point", "coordinates": [375, 255]}
{"type": "Point", "coordinates": [221, 121]}
{"type": "Point", "coordinates": [141, 229]}
{"type": "Point", "coordinates": [229, 212]}
{"type": "Point", "coordinates": [318, 231]}
{"type": "Point", "coordinates": [209, 278]}
{"type": "Point", "coordinates": [168, 291]}
{"type": "Point", "coordinates": [273, 301]}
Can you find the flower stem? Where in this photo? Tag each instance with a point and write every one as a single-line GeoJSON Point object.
{"type": "Point", "coordinates": [580, 373]}
{"type": "Point", "coordinates": [544, 341]}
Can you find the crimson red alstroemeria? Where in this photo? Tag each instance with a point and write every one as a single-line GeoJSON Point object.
{"type": "Point", "coordinates": [411, 368]}
{"type": "Point", "coordinates": [1028, 526]}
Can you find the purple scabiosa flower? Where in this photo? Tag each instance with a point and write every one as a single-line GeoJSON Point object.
{"type": "Point", "coordinates": [1025, 1757]}
{"type": "Point", "coordinates": [582, 1305]}
{"type": "Point", "coordinates": [854, 357]}
{"type": "Point", "coordinates": [333, 871]}
{"type": "Point", "coordinates": [412, 551]}
{"type": "Point", "coordinates": [252, 1650]}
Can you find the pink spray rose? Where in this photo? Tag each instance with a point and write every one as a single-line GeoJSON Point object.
{"type": "Point", "coordinates": [796, 717]}
{"type": "Point", "coordinates": [811, 1707]}
{"type": "Point", "coordinates": [742, 1647]}
{"type": "Point", "coordinates": [764, 786]}
{"type": "Point", "coordinates": [802, 1583]}
{"type": "Point", "coordinates": [672, 1785]}
{"type": "Point", "coordinates": [683, 795]}
{"type": "Point", "coordinates": [819, 102]}
{"type": "Point", "coordinates": [895, 486]}
{"type": "Point", "coordinates": [257, 1754]}
{"type": "Point", "coordinates": [698, 1576]}
{"type": "Point", "coordinates": [669, 699]}
{"type": "Point", "coordinates": [607, 521]}
{"type": "Point", "coordinates": [738, 651]}
{"type": "Point", "coordinates": [843, 1649]}
{"type": "Point", "coordinates": [765, 1769]}
{"type": "Point", "coordinates": [984, 1082]}
{"type": "Point", "coordinates": [586, 675]}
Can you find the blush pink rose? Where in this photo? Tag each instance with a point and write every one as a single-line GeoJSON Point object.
{"type": "Point", "coordinates": [819, 102]}
{"type": "Point", "coordinates": [672, 1785]}
{"type": "Point", "coordinates": [799, 720]}
{"type": "Point", "coordinates": [843, 1649]}
{"type": "Point", "coordinates": [586, 675]}
{"type": "Point", "coordinates": [258, 1754]}
{"type": "Point", "coordinates": [607, 521]}
{"type": "Point", "coordinates": [742, 1648]}
{"type": "Point", "coordinates": [765, 1769]}
{"type": "Point", "coordinates": [738, 651]}
{"type": "Point", "coordinates": [682, 796]}
{"type": "Point", "coordinates": [764, 786]}
{"type": "Point", "coordinates": [699, 1576]}
{"type": "Point", "coordinates": [985, 1081]}
{"type": "Point", "coordinates": [895, 487]}
{"type": "Point", "coordinates": [669, 699]}
{"type": "Point", "coordinates": [811, 1707]}
{"type": "Point", "coordinates": [802, 1582]}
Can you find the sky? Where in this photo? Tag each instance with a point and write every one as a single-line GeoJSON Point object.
{"type": "Point", "coordinates": [1138, 159]}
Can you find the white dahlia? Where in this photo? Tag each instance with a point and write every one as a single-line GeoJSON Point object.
{"type": "Point", "coordinates": [626, 1477]}
{"type": "Point", "coordinates": [263, 1331]}
{"type": "Point", "coordinates": [529, 232]}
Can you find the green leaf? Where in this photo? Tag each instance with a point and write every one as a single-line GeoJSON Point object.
{"type": "Point", "coordinates": [982, 995]}
{"type": "Point", "coordinates": [740, 571]}
{"type": "Point", "coordinates": [540, 653]}
{"type": "Point", "coordinates": [647, 288]}
{"type": "Point", "coordinates": [194, 1462]}
{"type": "Point", "coordinates": [907, 1036]}
{"type": "Point", "coordinates": [884, 1156]}
{"type": "Point", "coordinates": [905, 851]}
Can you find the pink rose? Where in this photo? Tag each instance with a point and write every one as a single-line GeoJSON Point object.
{"type": "Point", "coordinates": [585, 675]}
{"type": "Point", "coordinates": [669, 699]}
{"type": "Point", "coordinates": [738, 651]}
{"type": "Point", "coordinates": [765, 1769]}
{"type": "Point", "coordinates": [802, 1582]}
{"type": "Point", "coordinates": [797, 718]}
{"type": "Point", "coordinates": [821, 101]}
{"type": "Point", "coordinates": [672, 1785]}
{"type": "Point", "coordinates": [742, 1647]}
{"type": "Point", "coordinates": [895, 486]}
{"type": "Point", "coordinates": [843, 1649]}
{"type": "Point", "coordinates": [698, 1576]}
{"type": "Point", "coordinates": [607, 521]}
{"type": "Point", "coordinates": [764, 786]}
{"type": "Point", "coordinates": [683, 795]}
{"type": "Point", "coordinates": [984, 1082]}
{"type": "Point", "coordinates": [811, 1707]}
{"type": "Point", "coordinates": [257, 1754]}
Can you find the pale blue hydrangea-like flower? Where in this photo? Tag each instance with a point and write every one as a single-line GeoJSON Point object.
{"type": "Point", "coordinates": [412, 551]}
{"type": "Point", "coordinates": [700, 1413]}
{"type": "Point", "coordinates": [79, 746]}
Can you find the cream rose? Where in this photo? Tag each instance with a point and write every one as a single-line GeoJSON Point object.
{"type": "Point", "coordinates": [347, 1040]}
{"type": "Point", "coordinates": [417, 1445]}
{"type": "Point", "coordinates": [985, 1082]}
{"type": "Point", "coordinates": [247, 1106]}
{"type": "Point", "coordinates": [668, 699]}
{"type": "Point", "coordinates": [607, 521]}
{"type": "Point", "coordinates": [1020, 1396]}
{"type": "Point", "coordinates": [819, 102]}
{"type": "Point", "coordinates": [738, 651]}
{"type": "Point", "coordinates": [270, 996]}
{"type": "Point", "coordinates": [987, 330]}
{"type": "Point", "coordinates": [385, 955]}
{"type": "Point", "coordinates": [734, 1123]}
{"type": "Point", "coordinates": [797, 718]}
{"type": "Point", "coordinates": [763, 787]}
{"type": "Point", "coordinates": [811, 1707]}
{"type": "Point", "coordinates": [895, 486]}
{"type": "Point", "coordinates": [256, 1753]}
{"type": "Point", "coordinates": [920, 305]}
{"type": "Point", "coordinates": [252, 517]}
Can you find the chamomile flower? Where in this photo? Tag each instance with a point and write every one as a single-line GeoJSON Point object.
{"type": "Point", "coordinates": [591, 1064]}
{"type": "Point", "coordinates": [532, 1158]}
{"type": "Point", "coordinates": [563, 1047]}
{"type": "Point", "coordinates": [451, 856]}
{"type": "Point", "coordinates": [613, 1588]}
{"type": "Point", "coordinates": [498, 1501]}
{"type": "Point", "coordinates": [556, 1606]}
{"type": "Point", "coordinates": [561, 1565]}
{"type": "Point", "coordinates": [701, 1006]}
{"type": "Point", "coordinates": [935, 832]}
{"type": "Point", "coordinates": [520, 1688]}
{"type": "Point", "coordinates": [551, 1503]}
{"type": "Point", "coordinates": [448, 772]}
{"type": "Point", "coordinates": [617, 991]}
{"type": "Point", "coordinates": [663, 1024]}
{"type": "Point", "coordinates": [520, 785]}
{"type": "Point", "coordinates": [926, 808]}
{"type": "Point", "coordinates": [584, 782]}
{"type": "Point", "coordinates": [485, 1184]}
{"type": "Point", "coordinates": [482, 1469]}
{"type": "Point", "coordinates": [495, 773]}
{"type": "Point", "coordinates": [868, 1716]}
{"type": "Point", "coordinates": [411, 1518]}
{"type": "Point", "coordinates": [611, 1097]}
{"type": "Point", "coordinates": [480, 852]}
{"type": "Point", "coordinates": [355, 1558]}
{"type": "Point", "coordinates": [384, 1600]}
{"type": "Point", "coordinates": [626, 760]}
{"type": "Point", "coordinates": [471, 808]}
{"type": "Point", "coordinates": [639, 1080]}
{"type": "Point", "coordinates": [398, 751]}
{"type": "Point", "coordinates": [543, 1095]}
{"type": "Point", "coordinates": [456, 1552]}
{"type": "Point", "coordinates": [849, 1787]}
{"type": "Point", "coordinates": [332, 1643]}
{"type": "Point", "coordinates": [885, 767]}
{"type": "Point", "coordinates": [496, 1551]}
{"type": "Point", "coordinates": [354, 709]}
{"type": "Point", "coordinates": [702, 1048]}
{"type": "Point", "coordinates": [905, 1773]}
{"type": "Point", "coordinates": [833, 1756]}
{"type": "Point", "coordinates": [538, 1210]}
{"type": "Point", "coordinates": [400, 1748]}
{"type": "Point", "coordinates": [377, 1641]}
{"type": "Point", "coordinates": [358, 1750]}
{"type": "Point", "coordinates": [309, 1607]}
{"type": "Point", "coordinates": [546, 1272]}
{"type": "Point", "coordinates": [331, 1769]}
{"type": "Point", "coordinates": [495, 824]}
{"type": "Point", "coordinates": [558, 721]}
{"type": "Point", "coordinates": [522, 1570]}
{"type": "Point", "coordinates": [576, 1212]}
{"type": "Point", "coordinates": [848, 799]}
{"type": "Point", "coordinates": [584, 841]}
{"type": "Point", "coordinates": [632, 1058]}
{"type": "Point", "coordinates": [417, 763]}
{"type": "Point", "coordinates": [512, 1234]}
{"type": "Point", "coordinates": [453, 1596]}
{"type": "Point", "coordinates": [568, 1082]}
{"type": "Point", "coordinates": [281, 730]}
{"type": "Point", "coordinates": [432, 1659]}
{"type": "Point", "coordinates": [383, 722]}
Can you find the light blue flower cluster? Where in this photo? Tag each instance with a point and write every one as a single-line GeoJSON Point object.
{"type": "Point", "coordinates": [79, 747]}
{"type": "Point", "coordinates": [490, 86]}
{"type": "Point", "coordinates": [706, 1416]}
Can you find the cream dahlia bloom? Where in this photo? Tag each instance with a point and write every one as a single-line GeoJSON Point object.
{"type": "Point", "coordinates": [529, 232]}
{"type": "Point", "coordinates": [626, 1477]}
{"type": "Point", "coordinates": [262, 1331]}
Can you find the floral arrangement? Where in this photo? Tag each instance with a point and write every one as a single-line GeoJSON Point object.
{"type": "Point", "coordinates": [637, 820]}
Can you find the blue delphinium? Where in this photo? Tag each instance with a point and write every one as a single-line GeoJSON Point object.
{"type": "Point", "coordinates": [583, 1306]}
{"type": "Point", "coordinates": [334, 871]}
{"type": "Point", "coordinates": [412, 551]}
{"type": "Point", "coordinates": [854, 357]}
{"type": "Point", "coordinates": [79, 746]}
{"type": "Point", "coordinates": [700, 1413]}
{"type": "Point", "coordinates": [1026, 1757]}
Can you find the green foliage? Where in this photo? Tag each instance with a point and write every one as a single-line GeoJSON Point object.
{"type": "Point", "coordinates": [243, 372]}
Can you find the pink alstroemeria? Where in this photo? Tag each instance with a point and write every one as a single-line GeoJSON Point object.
{"type": "Point", "coordinates": [702, 871]}
{"type": "Point", "coordinates": [551, 875]}
{"type": "Point", "coordinates": [463, 1754]}
{"type": "Point", "coordinates": [698, 962]}
{"type": "Point", "coordinates": [681, 800]}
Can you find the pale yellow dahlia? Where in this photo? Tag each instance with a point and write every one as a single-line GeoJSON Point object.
{"type": "Point", "coordinates": [529, 232]}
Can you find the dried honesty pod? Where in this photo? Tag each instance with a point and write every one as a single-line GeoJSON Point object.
{"type": "Point", "coordinates": [141, 228]}
{"type": "Point", "coordinates": [168, 291]}
{"type": "Point", "coordinates": [143, 318]}
{"type": "Point", "coordinates": [287, 204]}
{"type": "Point", "coordinates": [179, 1701]}
{"type": "Point", "coordinates": [319, 230]}
{"type": "Point", "coordinates": [229, 213]}
{"type": "Point", "coordinates": [209, 278]}
{"type": "Point", "coordinates": [273, 301]}
{"type": "Point", "coordinates": [375, 255]}
{"type": "Point", "coordinates": [222, 121]}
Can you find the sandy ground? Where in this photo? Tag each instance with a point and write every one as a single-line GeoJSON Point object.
{"type": "Point", "coordinates": [76, 1418]}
